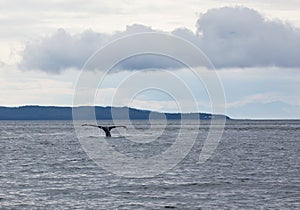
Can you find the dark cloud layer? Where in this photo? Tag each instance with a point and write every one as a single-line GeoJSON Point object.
{"type": "Point", "coordinates": [230, 37]}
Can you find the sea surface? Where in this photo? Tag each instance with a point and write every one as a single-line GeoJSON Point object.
{"type": "Point", "coordinates": [256, 165]}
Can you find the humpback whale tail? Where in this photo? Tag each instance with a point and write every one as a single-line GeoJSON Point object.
{"type": "Point", "coordinates": [106, 129]}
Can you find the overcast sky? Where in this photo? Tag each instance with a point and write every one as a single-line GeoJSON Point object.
{"type": "Point", "coordinates": [253, 45]}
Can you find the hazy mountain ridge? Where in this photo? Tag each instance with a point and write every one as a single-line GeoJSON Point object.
{"type": "Point", "coordinates": [87, 112]}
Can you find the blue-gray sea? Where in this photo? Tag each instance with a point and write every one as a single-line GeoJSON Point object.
{"type": "Point", "coordinates": [256, 165]}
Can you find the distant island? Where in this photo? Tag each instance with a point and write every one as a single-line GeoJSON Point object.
{"type": "Point", "coordinates": [101, 113]}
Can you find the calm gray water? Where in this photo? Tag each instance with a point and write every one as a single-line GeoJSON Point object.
{"type": "Point", "coordinates": [256, 165]}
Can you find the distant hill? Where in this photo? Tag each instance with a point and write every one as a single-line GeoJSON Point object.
{"type": "Point", "coordinates": [84, 113]}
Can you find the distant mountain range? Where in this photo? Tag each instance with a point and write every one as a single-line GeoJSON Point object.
{"type": "Point", "coordinates": [88, 112]}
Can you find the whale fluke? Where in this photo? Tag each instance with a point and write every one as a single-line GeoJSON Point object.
{"type": "Point", "coordinates": [106, 129]}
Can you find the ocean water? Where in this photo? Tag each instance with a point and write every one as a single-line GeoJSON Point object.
{"type": "Point", "coordinates": [255, 165]}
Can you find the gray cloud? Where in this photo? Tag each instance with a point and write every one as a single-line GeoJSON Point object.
{"type": "Point", "coordinates": [241, 37]}
{"type": "Point", "coordinates": [61, 50]}
{"type": "Point", "coordinates": [230, 37]}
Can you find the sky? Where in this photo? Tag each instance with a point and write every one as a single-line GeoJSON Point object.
{"type": "Point", "coordinates": [254, 48]}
